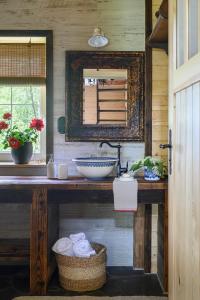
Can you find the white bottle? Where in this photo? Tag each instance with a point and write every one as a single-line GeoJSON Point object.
{"type": "Point", "coordinates": [51, 168]}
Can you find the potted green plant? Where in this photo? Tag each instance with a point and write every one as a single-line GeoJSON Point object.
{"type": "Point", "coordinates": [20, 141]}
{"type": "Point", "coordinates": [154, 168]}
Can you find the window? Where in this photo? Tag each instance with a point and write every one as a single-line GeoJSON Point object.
{"type": "Point", "coordinates": [24, 102]}
{"type": "Point", "coordinates": [23, 85]}
{"type": "Point", "coordinates": [193, 28]}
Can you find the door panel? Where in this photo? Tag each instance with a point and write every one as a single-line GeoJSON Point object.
{"type": "Point", "coordinates": [186, 194]}
{"type": "Point", "coordinates": [184, 183]}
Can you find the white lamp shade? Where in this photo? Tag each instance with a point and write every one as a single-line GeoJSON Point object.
{"type": "Point", "coordinates": [98, 39]}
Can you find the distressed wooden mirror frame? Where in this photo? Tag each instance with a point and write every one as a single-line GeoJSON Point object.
{"type": "Point", "coordinates": [76, 61]}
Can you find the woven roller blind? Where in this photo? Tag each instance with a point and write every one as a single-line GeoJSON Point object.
{"type": "Point", "coordinates": [22, 63]}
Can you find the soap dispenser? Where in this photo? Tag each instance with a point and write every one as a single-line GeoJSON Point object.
{"type": "Point", "coordinates": [51, 172]}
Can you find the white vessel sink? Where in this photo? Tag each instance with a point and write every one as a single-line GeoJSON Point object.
{"type": "Point", "coordinates": [95, 167]}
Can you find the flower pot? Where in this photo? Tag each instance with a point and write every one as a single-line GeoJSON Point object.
{"type": "Point", "coordinates": [23, 154]}
{"type": "Point", "coordinates": [150, 175]}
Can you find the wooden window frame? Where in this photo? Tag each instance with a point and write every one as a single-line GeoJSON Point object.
{"type": "Point", "coordinates": [48, 34]}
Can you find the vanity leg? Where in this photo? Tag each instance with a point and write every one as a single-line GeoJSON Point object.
{"type": "Point", "coordinates": [147, 238]}
{"type": "Point", "coordinates": [138, 231]}
{"type": "Point", "coordinates": [142, 238]}
{"type": "Point", "coordinates": [39, 242]}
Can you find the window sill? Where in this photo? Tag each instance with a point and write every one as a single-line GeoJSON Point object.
{"type": "Point", "coordinates": [31, 169]}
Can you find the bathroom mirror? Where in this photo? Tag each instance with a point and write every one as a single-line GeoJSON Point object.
{"type": "Point", "coordinates": [104, 96]}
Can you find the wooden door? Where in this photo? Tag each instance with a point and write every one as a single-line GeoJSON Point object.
{"type": "Point", "coordinates": [184, 120]}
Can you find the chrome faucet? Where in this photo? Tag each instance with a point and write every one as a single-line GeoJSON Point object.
{"type": "Point", "coordinates": [120, 170]}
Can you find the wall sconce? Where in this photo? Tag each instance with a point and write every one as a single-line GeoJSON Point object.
{"type": "Point", "coordinates": [98, 39]}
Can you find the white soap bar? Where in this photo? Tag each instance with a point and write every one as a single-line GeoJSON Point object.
{"type": "Point", "coordinates": [62, 171]}
{"type": "Point", "coordinates": [126, 177]}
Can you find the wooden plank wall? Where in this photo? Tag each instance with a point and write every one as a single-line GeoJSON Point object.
{"type": "Point", "coordinates": [72, 22]}
{"type": "Point", "coordinates": [159, 118]}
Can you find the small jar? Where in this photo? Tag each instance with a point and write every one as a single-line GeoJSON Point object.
{"type": "Point", "coordinates": [62, 171]}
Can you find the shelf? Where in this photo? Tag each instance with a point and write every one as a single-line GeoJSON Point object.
{"type": "Point", "coordinates": [112, 110]}
{"type": "Point", "coordinates": [15, 250]}
{"type": "Point", "coordinates": [159, 35]}
{"type": "Point", "coordinates": [112, 90]}
{"type": "Point", "coordinates": [111, 100]}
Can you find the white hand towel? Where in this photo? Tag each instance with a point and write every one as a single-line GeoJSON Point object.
{"type": "Point", "coordinates": [125, 194]}
{"type": "Point", "coordinates": [63, 246]}
{"type": "Point", "coordinates": [77, 237]}
{"type": "Point", "coordinates": [83, 249]}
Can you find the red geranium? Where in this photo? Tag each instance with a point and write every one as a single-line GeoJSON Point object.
{"type": "Point", "coordinates": [3, 125]}
{"type": "Point", "coordinates": [38, 124]}
{"type": "Point", "coordinates": [14, 143]}
{"type": "Point", "coordinates": [7, 116]}
{"type": "Point", "coordinates": [12, 136]}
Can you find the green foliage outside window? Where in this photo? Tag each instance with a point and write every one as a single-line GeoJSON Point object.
{"type": "Point", "coordinates": [24, 102]}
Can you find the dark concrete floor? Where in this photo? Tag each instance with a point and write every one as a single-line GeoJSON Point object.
{"type": "Point", "coordinates": [14, 281]}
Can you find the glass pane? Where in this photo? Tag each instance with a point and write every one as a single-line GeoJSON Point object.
{"type": "Point", "coordinates": [20, 95]}
{"type": "Point", "coordinates": [4, 109]}
{"type": "Point", "coordinates": [26, 95]}
{"type": "Point", "coordinates": [22, 115]}
{"type": "Point", "coordinates": [193, 27]}
{"type": "Point", "coordinates": [180, 33]}
{"type": "Point", "coordinates": [5, 95]}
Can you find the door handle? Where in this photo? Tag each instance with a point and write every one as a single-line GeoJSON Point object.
{"type": "Point", "coordinates": [169, 146]}
{"type": "Point", "coordinates": [164, 146]}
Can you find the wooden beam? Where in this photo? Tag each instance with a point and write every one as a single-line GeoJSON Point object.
{"type": "Point", "coordinates": [148, 79]}
{"type": "Point", "coordinates": [148, 131]}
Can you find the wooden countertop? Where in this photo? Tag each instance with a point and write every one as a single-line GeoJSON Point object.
{"type": "Point", "coordinates": [72, 183]}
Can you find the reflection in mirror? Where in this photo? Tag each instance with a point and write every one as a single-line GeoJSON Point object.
{"type": "Point", "coordinates": [105, 96]}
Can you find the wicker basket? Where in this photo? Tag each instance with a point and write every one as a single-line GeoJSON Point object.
{"type": "Point", "coordinates": [83, 274]}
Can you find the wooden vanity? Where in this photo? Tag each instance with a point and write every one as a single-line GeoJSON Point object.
{"type": "Point", "coordinates": [45, 195]}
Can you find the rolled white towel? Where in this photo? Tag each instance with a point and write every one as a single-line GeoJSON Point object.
{"type": "Point", "coordinates": [83, 249]}
{"type": "Point", "coordinates": [63, 246]}
{"type": "Point", "coordinates": [77, 237]}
